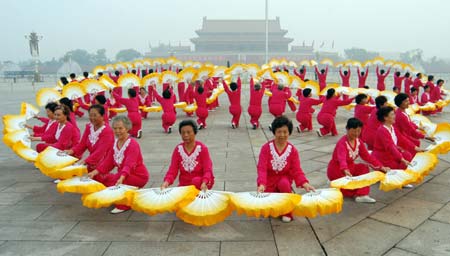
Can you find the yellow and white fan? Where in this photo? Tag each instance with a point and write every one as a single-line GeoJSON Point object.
{"type": "Point", "coordinates": [340, 64]}
{"type": "Point", "coordinates": [187, 74]}
{"type": "Point", "coordinates": [188, 64]}
{"type": "Point", "coordinates": [255, 204]}
{"type": "Point", "coordinates": [442, 140]}
{"type": "Point", "coordinates": [274, 63]}
{"type": "Point", "coordinates": [152, 109]}
{"type": "Point", "coordinates": [120, 66]}
{"type": "Point", "coordinates": [342, 90]}
{"type": "Point", "coordinates": [305, 63]}
{"type": "Point", "coordinates": [73, 90]}
{"type": "Point", "coordinates": [367, 63]}
{"type": "Point", "coordinates": [389, 63]}
{"type": "Point", "coordinates": [313, 63]}
{"type": "Point", "coordinates": [296, 82]}
{"type": "Point", "coordinates": [98, 69]}
{"type": "Point", "coordinates": [268, 92]}
{"type": "Point", "coordinates": [208, 208]}
{"type": "Point", "coordinates": [129, 80]}
{"type": "Point", "coordinates": [390, 95]}
{"type": "Point", "coordinates": [356, 182]}
{"type": "Point", "coordinates": [109, 67]}
{"type": "Point", "coordinates": [138, 64]}
{"type": "Point", "coordinates": [327, 61]}
{"type": "Point", "coordinates": [156, 200]}
{"type": "Point", "coordinates": [93, 86]}
{"type": "Point", "coordinates": [28, 110]}
{"type": "Point", "coordinates": [283, 78]}
{"type": "Point", "coordinates": [313, 85]}
{"type": "Point", "coordinates": [52, 158]}
{"type": "Point", "coordinates": [118, 110]}
{"type": "Point", "coordinates": [322, 201]}
{"type": "Point", "coordinates": [111, 195]}
{"type": "Point", "coordinates": [429, 106]}
{"type": "Point", "coordinates": [356, 63]}
{"type": "Point", "coordinates": [236, 69]}
{"type": "Point", "coordinates": [108, 82]}
{"type": "Point", "coordinates": [266, 74]}
{"type": "Point", "coordinates": [378, 61]}
{"type": "Point", "coordinates": [348, 63]}
{"type": "Point", "coordinates": [47, 95]}
{"type": "Point", "coordinates": [215, 93]}
{"type": "Point", "coordinates": [284, 62]}
{"type": "Point", "coordinates": [68, 172]}
{"type": "Point", "coordinates": [171, 60]}
{"type": "Point", "coordinates": [397, 66]}
{"type": "Point", "coordinates": [396, 179]}
{"type": "Point", "coordinates": [181, 104]}
{"type": "Point", "coordinates": [13, 137]}
{"type": "Point", "coordinates": [25, 152]}
{"type": "Point", "coordinates": [151, 79]}
{"type": "Point", "coordinates": [422, 164]}
{"type": "Point", "coordinates": [329, 86]}
{"type": "Point", "coordinates": [421, 119]}
{"type": "Point", "coordinates": [80, 185]}
{"type": "Point", "coordinates": [198, 65]}
{"type": "Point", "coordinates": [413, 108]}
{"type": "Point", "coordinates": [13, 123]}
{"type": "Point", "coordinates": [219, 71]}
{"type": "Point", "coordinates": [292, 64]}
{"type": "Point", "coordinates": [252, 69]}
{"type": "Point", "coordinates": [430, 127]}
{"type": "Point", "coordinates": [167, 76]}
{"type": "Point", "coordinates": [203, 72]}
{"type": "Point", "coordinates": [208, 64]}
{"type": "Point", "coordinates": [191, 108]}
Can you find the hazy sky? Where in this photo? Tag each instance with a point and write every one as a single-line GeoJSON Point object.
{"type": "Point", "coordinates": [379, 25]}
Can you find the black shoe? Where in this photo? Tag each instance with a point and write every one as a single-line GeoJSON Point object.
{"type": "Point", "coordinates": [270, 127]}
{"type": "Point", "coordinates": [254, 127]}
{"type": "Point", "coordinates": [200, 127]}
{"type": "Point", "coordinates": [298, 130]}
{"type": "Point", "coordinates": [170, 130]}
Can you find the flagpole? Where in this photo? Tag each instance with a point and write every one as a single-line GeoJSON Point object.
{"type": "Point", "coordinates": [267, 31]}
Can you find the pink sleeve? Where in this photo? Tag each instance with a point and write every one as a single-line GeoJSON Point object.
{"type": "Point", "coordinates": [104, 144]}
{"type": "Point", "coordinates": [174, 167]}
{"type": "Point", "coordinates": [239, 83]}
{"type": "Point", "coordinates": [79, 149]}
{"type": "Point", "coordinates": [344, 102]}
{"type": "Point", "coordinates": [389, 144]}
{"type": "Point", "coordinates": [107, 164]}
{"type": "Point", "coordinates": [263, 162]}
{"type": "Point", "coordinates": [367, 157]}
{"type": "Point", "coordinates": [342, 156]}
{"type": "Point", "coordinates": [65, 139]}
{"type": "Point", "coordinates": [296, 169]}
{"type": "Point", "coordinates": [225, 86]}
{"type": "Point", "coordinates": [130, 159]}
{"type": "Point", "coordinates": [207, 165]}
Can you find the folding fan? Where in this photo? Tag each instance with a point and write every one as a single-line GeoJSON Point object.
{"type": "Point", "coordinates": [421, 119]}
{"type": "Point", "coordinates": [441, 103]}
{"type": "Point", "coordinates": [322, 201]}
{"type": "Point", "coordinates": [73, 90]}
{"type": "Point", "coordinates": [295, 82]}
{"type": "Point", "coordinates": [283, 78]}
{"type": "Point", "coordinates": [25, 152]}
{"type": "Point", "coordinates": [442, 140]}
{"type": "Point", "coordinates": [80, 185]}
{"type": "Point", "coordinates": [390, 95]}
{"type": "Point", "coordinates": [414, 108]}
{"type": "Point", "coordinates": [215, 93]}
{"type": "Point", "coordinates": [147, 62]}
{"type": "Point", "coordinates": [171, 60]}
{"type": "Point", "coordinates": [188, 63]}
{"type": "Point", "coordinates": [305, 63]}
{"type": "Point", "coordinates": [108, 196]}
{"type": "Point", "coordinates": [429, 106]}
{"type": "Point", "coordinates": [68, 172]}
{"type": "Point", "coordinates": [356, 63]}
{"type": "Point", "coordinates": [181, 104]}
{"type": "Point", "coordinates": [13, 137]}
{"type": "Point", "coordinates": [268, 92]}
{"type": "Point", "coordinates": [378, 61]}
{"type": "Point", "coordinates": [397, 66]}
{"type": "Point", "coordinates": [294, 100]}
{"type": "Point", "coordinates": [313, 85]}
{"type": "Point", "coordinates": [356, 182]}
{"type": "Point", "coordinates": [252, 69]}
{"type": "Point", "coordinates": [52, 158]}
{"type": "Point", "coordinates": [187, 74]}
{"type": "Point", "coordinates": [207, 209]}
{"type": "Point", "coordinates": [152, 109]}
{"type": "Point", "coordinates": [191, 108]}
{"type": "Point", "coordinates": [274, 63]}
{"type": "Point", "coordinates": [236, 69]}
{"type": "Point", "coordinates": [151, 79]}
{"type": "Point", "coordinates": [219, 71]}
{"type": "Point", "coordinates": [350, 106]}
{"type": "Point", "coordinates": [92, 86]}
{"type": "Point", "coordinates": [367, 63]}
{"type": "Point", "coordinates": [177, 64]}
{"type": "Point", "coordinates": [108, 82]}
{"type": "Point", "coordinates": [266, 74]}
{"type": "Point", "coordinates": [28, 110]}
{"type": "Point", "coordinates": [13, 123]}
{"type": "Point", "coordinates": [118, 110]}
{"type": "Point", "coordinates": [109, 67]}
{"type": "Point", "coordinates": [138, 64]}
{"type": "Point", "coordinates": [283, 62]}
{"type": "Point", "coordinates": [98, 69]}
{"type": "Point", "coordinates": [389, 63]}
{"type": "Point", "coordinates": [255, 204]}
{"type": "Point", "coordinates": [120, 66]}
{"type": "Point", "coordinates": [313, 63]}
{"type": "Point", "coordinates": [47, 95]}
{"type": "Point", "coordinates": [129, 80]}
{"type": "Point", "coordinates": [197, 65]}
{"type": "Point", "coordinates": [167, 76]}
{"type": "Point", "coordinates": [156, 200]}
{"type": "Point", "coordinates": [208, 64]}
{"type": "Point", "coordinates": [348, 63]}
{"type": "Point", "coordinates": [340, 64]}
{"type": "Point", "coordinates": [396, 179]}
{"type": "Point", "coordinates": [422, 164]}
{"type": "Point", "coordinates": [292, 64]}
{"type": "Point", "coordinates": [202, 73]}
{"type": "Point", "coordinates": [329, 86]}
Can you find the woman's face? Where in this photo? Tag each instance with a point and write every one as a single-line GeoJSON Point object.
{"type": "Point", "coordinates": [59, 116]}
{"type": "Point", "coordinates": [142, 92]}
{"type": "Point", "coordinates": [187, 134]}
{"type": "Point", "coordinates": [95, 118]}
{"type": "Point", "coordinates": [390, 119]}
{"type": "Point", "coordinates": [282, 134]}
{"type": "Point", "coordinates": [50, 114]}
{"type": "Point", "coordinates": [120, 130]}
{"type": "Point", "coordinates": [405, 104]}
{"type": "Point", "coordinates": [353, 133]}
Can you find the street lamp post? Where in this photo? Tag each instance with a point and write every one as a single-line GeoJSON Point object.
{"type": "Point", "coordinates": [33, 39]}
{"type": "Point", "coordinates": [267, 31]}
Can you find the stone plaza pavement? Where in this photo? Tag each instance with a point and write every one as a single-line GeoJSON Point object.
{"type": "Point", "coordinates": [36, 220]}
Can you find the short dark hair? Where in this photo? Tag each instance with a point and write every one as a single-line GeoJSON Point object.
{"type": "Point", "coordinates": [117, 73]}
{"type": "Point", "coordinates": [330, 93]}
{"type": "Point", "coordinates": [426, 87]}
{"type": "Point", "coordinates": [166, 94]}
{"type": "Point", "coordinates": [407, 74]}
{"type": "Point", "coordinates": [132, 92]}
{"type": "Point", "coordinates": [72, 75]}
{"type": "Point", "coordinates": [306, 92]}
{"type": "Point", "coordinates": [66, 101]}
{"type": "Point", "coordinates": [233, 86]}
{"type": "Point", "coordinates": [281, 121]}
{"type": "Point", "coordinates": [188, 122]}
{"type": "Point", "coordinates": [100, 98]}
{"type": "Point", "coordinates": [200, 89]}
{"type": "Point", "coordinates": [397, 73]}
{"type": "Point", "coordinates": [86, 74]}
{"type": "Point", "coordinates": [413, 89]}
{"type": "Point", "coordinates": [353, 123]}
{"type": "Point", "coordinates": [399, 98]}
{"type": "Point", "coordinates": [360, 97]}
{"type": "Point", "coordinates": [384, 112]}
{"type": "Point", "coordinates": [430, 78]}
{"type": "Point", "coordinates": [99, 108]}
{"type": "Point", "coordinates": [51, 106]}
{"type": "Point", "coordinates": [439, 81]}
{"type": "Point", "coordinates": [395, 88]}
{"type": "Point", "coordinates": [380, 100]}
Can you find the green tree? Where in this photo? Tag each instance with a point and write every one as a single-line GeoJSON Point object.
{"type": "Point", "coordinates": [127, 55]}
{"type": "Point", "coordinates": [100, 58]}
{"type": "Point", "coordinates": [82, 57]}
{"type": "Point", "coordinates": [360, 54]}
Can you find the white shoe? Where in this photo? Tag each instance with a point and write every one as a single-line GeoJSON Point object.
{"type": "Point", "coordinates": [319, 133]}
{"type": "Point", "coordinates": [57, 181]}
{"type": "Point", "coordinates": [409, 186]}
{"type": "Point", "coordinates": [233, 125]}
{"type": "Point", "coordinates": [365, 199]}
{"type": "Point", "coordinates": [286, 219]}
{"type": "Point", "coordinates": [139, 135]}
{"type": "Point", "coordinates": [116, 211]}
{"type": "Point", "coordinates": [298, 130]}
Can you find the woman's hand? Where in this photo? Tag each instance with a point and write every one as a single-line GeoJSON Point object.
{"type": "Point", "coordinates": [68, 151]}
{"type": "Point", "coordinates": [261, 189]}
{"type": "Point", "coordinates": [164, 185]}
{"type": "Point", "coordinates": [32, 138]}
{"type": "Point", "coordinates": [204, 187]}
{"type": "Point", "coordinates": [92, 174]}
{"type": "Point", "coordinates": [120, 180]}
{"type": "Point", "coordinates": [347, 173]}
{"type": "Point", "coordinates": [432, 139]}
{"type": "Point", "coordinates": [405, 162]}
{"type": "Point", "coordinates": [28, 126]}
{"type": "Point", "coordinates": [419, 149]}
{"type": "Point", "coordinates": [385, 169]}
{"type": "Point", "coordinates": [308, 187]}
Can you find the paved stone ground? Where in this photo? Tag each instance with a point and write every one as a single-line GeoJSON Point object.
{"type": "Point", "coordinates": [36, 220]}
